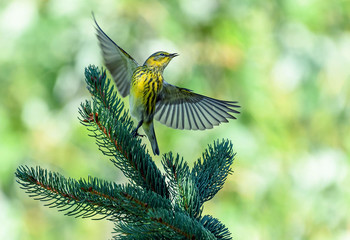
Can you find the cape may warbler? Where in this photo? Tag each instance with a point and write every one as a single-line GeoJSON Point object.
{"type": "Point", "coordinates": [151, 97]}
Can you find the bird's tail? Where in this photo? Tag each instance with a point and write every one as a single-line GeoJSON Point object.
{"type": "Point", "coordinates": [149, 130]}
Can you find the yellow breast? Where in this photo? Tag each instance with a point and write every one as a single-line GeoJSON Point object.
{"type": "Point", "coordinates": [145, 86]}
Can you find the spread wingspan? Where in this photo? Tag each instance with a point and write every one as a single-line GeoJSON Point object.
{"type": "Point", "coordinates": [181, 108]}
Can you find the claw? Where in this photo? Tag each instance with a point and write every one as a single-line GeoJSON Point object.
{"type": "Point", "coordinates": [136, 134]}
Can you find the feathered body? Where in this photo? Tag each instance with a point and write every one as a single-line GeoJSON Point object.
{"type": "Point", "coordinates": [146, 83]}
{"type": "Point", "coordinates": [151, 97]}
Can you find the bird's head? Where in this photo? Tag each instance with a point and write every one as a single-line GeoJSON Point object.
{"type": "Point", "coordinates": [159, 59]}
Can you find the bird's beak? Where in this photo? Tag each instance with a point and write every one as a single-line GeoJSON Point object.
{"type": "Point", "coordinates": [173, 55]}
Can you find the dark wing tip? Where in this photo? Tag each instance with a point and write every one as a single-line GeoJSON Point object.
{"type": "Point", "coordinates": [93, 15]}
{"type": "Point", "coordinates": [97, 27]}
{"type": "Point", "coordinates": [100, 33]}
{"type": "Point", "coordinates": [231, 103]}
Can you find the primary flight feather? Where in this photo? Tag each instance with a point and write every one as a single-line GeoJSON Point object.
{"type": "Point", "coordinates": [151, 97]}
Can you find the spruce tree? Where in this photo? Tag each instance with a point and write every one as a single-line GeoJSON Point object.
{"type": "Point", "coordinates": [152, 205]}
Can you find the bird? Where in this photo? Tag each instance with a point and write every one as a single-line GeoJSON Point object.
{"type": "Point", "coordinates": [152, 98]}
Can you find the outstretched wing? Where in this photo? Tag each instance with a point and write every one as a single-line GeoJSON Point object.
{"type": "Point", "coordinates": [180, 108]}
{"type": "Point", "coordinates": [119, 63]}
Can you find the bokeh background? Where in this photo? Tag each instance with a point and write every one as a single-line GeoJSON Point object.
{"type": "Point", "coordinates": [286, 61]}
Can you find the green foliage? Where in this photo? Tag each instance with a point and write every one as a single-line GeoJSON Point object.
{"type": "Point", "coordinates": [149, 207]}
{"type": "Point", "coordinates": [216, 227]}
{"type": "Point", "coordinates": [111, 126]}
{"type": "Point", "coordinates": [190, 189]}
{"type": "Point", "coordinates": [217, 162]}
{"type": "Point", "coordinates": [287, 62]}
{"type": "Point", "coordinates": [88, 198]}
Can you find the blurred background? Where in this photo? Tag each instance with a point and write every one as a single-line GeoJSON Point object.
{"type": "Point", "coordinates": [286, 62]}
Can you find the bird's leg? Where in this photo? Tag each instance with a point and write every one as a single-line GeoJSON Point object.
{"type": "Point", "coordinates": [135, 132]}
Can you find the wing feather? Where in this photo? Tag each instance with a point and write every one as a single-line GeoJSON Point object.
{"type": "Point", "coordinates": [203, 117]}
{"type": "Point", "coordinates": [198, 118]}
{"type": "Point", "coordinates": [181, 108]}
{"type": "Point", "coordinates": [182, 117]}
{"type": "Point", "coordinates": [210, 113]}
{"type": "Point", "coordinates": [187, 119]}
{"type": "Point", "coordinates": [119, 63]}
{"type": "Point", "coordinates": [170, 111]}
{"type": "Point", "coordinates": [194, 114]}
{"type": "Point", "coordinates": [218, 111]}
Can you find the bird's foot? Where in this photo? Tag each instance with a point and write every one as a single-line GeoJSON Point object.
{"type": "Point", "coordinates": [136, 134]}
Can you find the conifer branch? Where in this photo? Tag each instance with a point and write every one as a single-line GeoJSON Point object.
{"type": "Point", "coordinates": [149, 207]}
{"type": "Point", "coordinates": [115, 202]}
{"type": "Point", "coordinates": [83, 198]}
{"type": "Point", "coordinates": [112, 126]}
{"type": "Point", "coordinates": [211, 172]}
{"type": "Point", "coordinates": [182, 184]}
{"type": "Point", "coordinates": [216, 227]}
{"type": "Point", "coordinates": [167, 225]}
